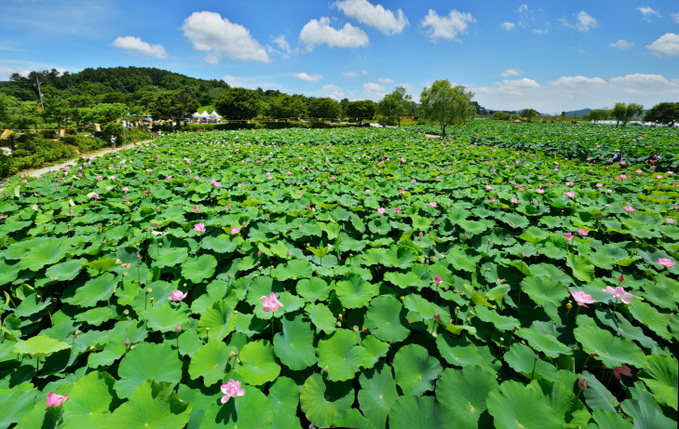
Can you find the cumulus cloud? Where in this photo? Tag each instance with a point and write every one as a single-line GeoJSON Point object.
{"type": "Point", "coordinates": [583, 22]}
{"type": "Point", "coordinates": [648, 13]}
{"type": "Point", "coordinates": [366, 13]}
{"type": "Point", "coordinates": [211, 33]}
{"type": "Point", "coordinates": [308, 78]}
{"type": "Point", "coordinates": [639, 79]}
{"type": "Point", "coordinates": [511, 72]}
{"type": "Point", "coordinates": [374, 91]}
{"type": "Point", "coordinates": [578, 82]}
{"type": "Point", "coordinates": [319, 31]}
{"type": "Point", "coordinates": [621, 44]}
{"type": "Point", "coordinates": [532, 19]}
{"type": "Point", "coordinates": [385, 80]}
{"type": "Point", "coordinates": [350, 74]}
{"type": "Point", "coordinates": [675, 17]}
{"type": "Point", "coordinates": [135, 44]}
{"type": "Point", "coordinates": [249, 82]}
{"type": "Point", "coordinates": [667, 44]}
{"type": "Point", "coordinates": [446, 27]}
{"type": "Point", "coordinates": [282, 44]}
{"type": "Point", "coordinates": [515, 86]}
{"type": "Point", "coordinates": [333, 91]}
{"type": "Point", "coordinates": [508, 26]}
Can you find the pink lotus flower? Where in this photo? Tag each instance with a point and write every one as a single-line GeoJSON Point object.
{"type": "Point", "coordinates": [583, 232]}
{"type": "Point", "coordinates": [599, 185]}
{"type": "Point", "coordinates": [125, 189]}
{"type": "Point", "coordinates": [270, 303]}
{"type": "Point", "coordinates": [540, 191]}
{"type": "Point", "coordinates": [397, 210]}
{"type": "Point", "coordinates": [619, 293]}
{"type": "Point", "coordinates": [381, 210]}
{"type": "Point", "coordinates": [570, 194]}
{"type": "Point", "coordinates": [629, 209]}
{"type": "Point", "coordinates": [582, 298]}
{"type": "Point", "coordinates": [514, 201]}
{"type": "Point", "coordinates": [177, 295]}
{"type": "Point", "coordinates": [437, 280]}
{"type": "Point", "coordinates": [196, 208]}
{"type": "Point", "coordinates": [624, 370]}
{"type": "Point", "coordinates": [235, 230]}
{"type": "Point", "coordinates": [433, 204]}
{"type": "Point", "coordinates": [667, 262]}
{"type": "Point", "coordinates": [621, 279]}
{"type": "Point", "coordinates": [199, 227]}
{"type": "Point", "coordinates": [367, 191]}
{"type": "Point", "coordinates": [231, 389]}
{"type": "Point", "coordinates": [488, 187]}
{"type": "Point", "coordinates": [54, 400]}
{"type": "Point", "coordinates": [568, 236]}
{"type": "Point", "coordinates": [670, 220]}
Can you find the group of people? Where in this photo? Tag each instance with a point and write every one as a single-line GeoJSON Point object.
{"type": "Point", "coordinates": [651, 162]}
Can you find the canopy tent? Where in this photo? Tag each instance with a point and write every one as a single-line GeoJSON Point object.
{"type": "Point", "coordinates": [215, 116]}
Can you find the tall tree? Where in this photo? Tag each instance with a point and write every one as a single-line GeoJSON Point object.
{"type": "Point", "coordinates": [529, 114]}
{"type": "Point", "coordinates": [447, 104]}
{"type": "Point", "coordinates": [361, 109]}
{"type": "Point", "coordinates": [624, 112]}
{"type": "Point", "coordinates": [665, 113]}
{"type": "Point", "coordinates": [238, 104]}
{"type": "Point", "coordinates": [395, 105]}
{"type": "Point", "coordinates": [324, 108]}
{"type": "Point", "coordinates": [173, 105]}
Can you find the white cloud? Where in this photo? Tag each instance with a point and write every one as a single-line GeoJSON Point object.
{"type": "Point", "coordinates": [282, 44]}
{"type": "Point", "coordinates": [374, 91]}
{"type": "Point", "coordinates": [333, 91]}
{"type": "Point", "coordinates": [385, 80]}
{"type": "Point", "coordinates": [576, 92]}
{"type": "Point", "coordinates": [675, 17]}
{"type": "Point", "coordinates": [308, 78]}
{"type": "Point", "coordinates": [532, 19]}
{"type": "Point", "coordinates": [581, 82]}
{"type": "Point", "coordinates": [510, 72]}
{"type": "Point", "coordinates": [584, 22]}
{"type": "Point", "coordinates": [350, 74]}
{"type": "Point", "coordinates": [446, 27]}
{"type": "Point", "coordinates": [250, 83]}
{"type": "Point", "coordinates": [508, 26]}
{"type": "Point", "coordinates": [318, 32]}
{"type": "Point", "coordinates": [648, 12]}
{"type": "Point", "coordinates": [366, 13]}
{"type": "Point", "coordinates": [667, 44]}
{"type": "Point", "coordinates": [209, 32]}
{"type": "Point", "coordinates": [371, 86]}
{"type": "Point", "coordinates": [621, 44]}
{"type": "Point", "coordinates": [136, 44]}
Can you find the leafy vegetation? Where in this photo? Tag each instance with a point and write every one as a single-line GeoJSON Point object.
{"type": "Point", "coordinates": [419, 281]}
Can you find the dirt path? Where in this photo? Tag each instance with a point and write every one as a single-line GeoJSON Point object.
{"type": "Point", "coordinates": [40, 171]}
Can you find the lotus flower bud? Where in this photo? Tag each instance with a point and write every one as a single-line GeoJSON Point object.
{"type": "Point", "coordinates": [582, 383]}
{"type": "Point", "coordinates": [178, 328]}
{"type": "Point", "coordinates": [126, 342]}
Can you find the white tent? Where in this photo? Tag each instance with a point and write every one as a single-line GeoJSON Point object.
{"type": "Point", "coordinates": [215, 116]}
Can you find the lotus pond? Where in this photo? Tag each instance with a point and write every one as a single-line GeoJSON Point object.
{"type": "Point", "coordinates": [339, 278]}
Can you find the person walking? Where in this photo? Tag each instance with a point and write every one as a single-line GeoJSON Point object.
{"type": "Point", "coordinates": [113, 141]}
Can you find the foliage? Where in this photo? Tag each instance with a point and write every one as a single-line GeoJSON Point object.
{"type": "Point", "coordinates": [529, 114]}
{"type": "Point", "coordinates": [238, 104]}
{"type": "Point", "coordinates": [624, 112]}
{"type": "Point", "coordinates": [597, 115]}
{"type": "Point", "coordinates": [422, 282]}
{"type": "Point", "coordinates": [447, 105]}
{"type": "Point", "coordinates": [324, 108]}
{"type": "Point", "coordinates": [395, 105]}
{"type": "Point", "coordinates": [664, 113]}
{"type": "Point", "coordinates": [286, 106]}
{"type": "Point", "coordinates": [360, 110]}
{"type": "Point", "coordinates": [173, 105]}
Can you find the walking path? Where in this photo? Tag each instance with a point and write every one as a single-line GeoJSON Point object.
{"type": "Point", "coordinates": [40, 171]}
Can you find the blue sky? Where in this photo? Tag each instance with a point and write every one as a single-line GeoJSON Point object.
{"type": "Point", "coordinates": [548, 55]}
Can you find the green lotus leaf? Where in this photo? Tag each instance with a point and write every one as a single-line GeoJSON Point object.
{"type": "Point", "coordinates": [399, 257]}
{"type": "Point", "coordinates": [148, 360]}
{"type": "Point", "coordinates": [151, 405]}
{"type": "Point", "coordinates": [295, 269]}
{"type": "Point", "coordinates": [377, 395]}
{"type": "Point", "coordinates": [210, 361]}
{"type": "Point", "coordinates": [610, 420]}
{"type": "Point", "coordinates": [284, 397]}
{"type": "Point", "coordinates": [376, 349]}
{"type": "Point", "coordinates": [403, 280]}
{"type": "Point", "coordinates": [508, 407]}
{"type": "Point", "coordinates": [322, 402]}
{"type": "Point", "coordinates": [251, 411]}
{"type": "Point", "coordinates": [40, 346]}
{"type": "Point", "coordinates": [198, 269]}
{"type": "Point", "coordinates": [97, 289]}
{"type": "Point", "coordinates": [89, 401]}
{"type": "Point", "coordinates": [342, 354]}
{"type": "Point", "coordinates": [651, 317]}
{"type": "Point", "coordinates": [461, 352]}
{"type": "Point", "coordinates": [463, 393]}
{"type": "Point", "coordinates": [504, 323]}
{"type": "Point", "coordinates": [258, 364]}
{"type": "Point", "coordinates": [164, 317]}
{"type": "Point", "coordinates": [168, 257]}
{"type": "Point", "coordinates": [660, 375]}
{"type": "Point", "coordinates": [545, 291]}
{"type": "Point", "coordinates": [611, 350]}
{"type": "Point", "coordinates": [420, 223]}
{"type": "Point", "coordinates": [418, 412]}
{"type": "Point", "coordinates": [64, 271]}
{"type": "Point", "coordinates": [521, 359]}
{"type": "Point", "coordinates": [321, 317]}
{"type": "Point", "coordinates": [386, 319]}
{"type": "Point", "coordinates": [217, 322]}
{"type": "Point", "coordinates": [105, 264]}
{"type": "Point", "coordinates": [644, 410]}
{"type": "Point", "coordinates": [294, 345]}
{"type": "Point", "coordinates": [515, 220]}
{"type": "Point", "coordinates": [373, 257]}
{"type": "Point", "coordinates": [354, 292]}
{"type": "Point", "coordinates": [415, 370]}
{"type": "Point", "coordinates": [31, 305]}
{"type": "Point", "coordinates": [220, 244]}
{"type": "Point", "coordinates": [462, 260]}
{"type": "Point", "coordinates": [8, 273]}
{"type": "Point", "coordinates": [583, 269]}
{"type": "Point", "coordinates": [571, 411]}
{"type": "Point", "coordinates": [313, 289]}
{"type": "Point", "coordinates": [46, 253]}
{"type": "Point", "coordinates": [96, 316]}
{"type": "Point", "coordinates": [543, 341]}
{"type": "Point", "coordinates": [534, 235]}
{"type": "Point", "coordinates": [597, 396]}
{"type": "Point", "coordinates": [112, 351]}
{"type": "Point", "coordinates": [16, 402]}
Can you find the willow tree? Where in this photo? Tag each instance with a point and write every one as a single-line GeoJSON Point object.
{"type": "Point", "coordinates": [446, 104]}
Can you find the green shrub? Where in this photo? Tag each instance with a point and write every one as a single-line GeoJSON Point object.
{"type": "Point", "coordinates": [7, 167]}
